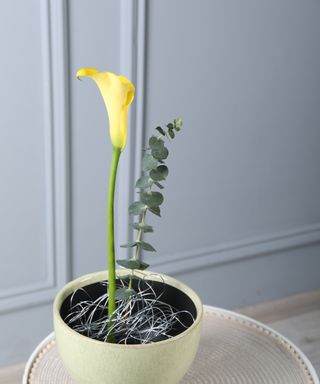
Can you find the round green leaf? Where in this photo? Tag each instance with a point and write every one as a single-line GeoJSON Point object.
{"type": "Point", "coordinates": [160, 173]}
{"type": "Point", "coordinates": [160, 153]}
{"type": "Point", "coordinates": [155, 175]}
{"type": "Point", "coordinates": [149, 162]}
{"type": "Point", "coordinates": [155, 143]}
{"type": "Point", "coordinates": [152, 199]}
{"type": "Point", "coordinates": [144, 182]}
{"type": "Point", "coordinates": [163, 169]}
{"type": "Point", "coordinates": [136, 208]}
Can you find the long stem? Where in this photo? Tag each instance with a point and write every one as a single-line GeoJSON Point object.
{"type": "Point", "coordinates": [111, 256]}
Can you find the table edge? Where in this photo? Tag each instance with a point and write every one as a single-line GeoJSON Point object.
{"type": "Point", "coordinates": [213, 310]}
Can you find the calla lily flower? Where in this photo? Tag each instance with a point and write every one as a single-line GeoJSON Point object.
{"type": "Point", "coordinates": [118, 93]}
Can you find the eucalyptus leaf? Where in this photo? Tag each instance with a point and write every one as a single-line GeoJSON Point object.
{"type": "Point", "coordinates": [147, 246]}
{"type": "Point", "coordinates": [155, 143]}
{"type": "Point", "coordinates": [136, 208]}
{"type": "Point", "coordinates": [156, 175]}
{"type": "Point", "coordinates": [129, 245]}
{"type": "Point", "coordinates": [154, 171]}
{"type": "Point", "coordinates": [163, 169]}
{"type": "Point", "coordinates": [160, 173]}
{"type": "Point", "coordinates": [135, 226]}
{"type": "Point", "coordinates": [146, 228]}
{"type": "Point", "coordinates": [144, 182]}
{"type": "Point", "coordinates": [158, 185]}
{"type": "Point", "coordinates": [155, 210]}
{"type": "Point", "coordinates": [152, 199]}
{"type": "Point", "coordinates": [149, 162]}
{"type": "Point", "coordinates": [124, 293]}
{"type": "Point", "coordinates": [160, 130]}
{"type": "Point", "coordinates": [143, 227]}
{"type": "Point", "coordinates": [178, 122]}
{"type": "Point", "coordinates": [159, 153]}
{"type": "Point", "coordinates": [171, 133]}
{"type": "Point", "coordinates": [133, 264]}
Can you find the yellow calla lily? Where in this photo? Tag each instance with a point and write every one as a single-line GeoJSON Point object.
{"type": "Point", "coordinates": [118, 93]}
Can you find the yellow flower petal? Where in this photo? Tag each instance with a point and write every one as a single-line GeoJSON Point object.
{"type": "Point", "coordinates": [86, 72]}
{"type": "Point", "coordinates": [118, 93]}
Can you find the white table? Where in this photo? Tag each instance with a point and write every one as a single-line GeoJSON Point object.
{"type": "Point", "coordinates": [233, 349]}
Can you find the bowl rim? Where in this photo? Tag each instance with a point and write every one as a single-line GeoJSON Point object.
{"type": "Point", "coordinates": [94, 277]}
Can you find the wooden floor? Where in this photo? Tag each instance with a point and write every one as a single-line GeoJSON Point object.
{"type": "Point", "coordinates": [296, 317]}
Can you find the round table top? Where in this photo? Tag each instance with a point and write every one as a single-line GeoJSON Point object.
{"type": "Point", "coordinates": [233, 349]}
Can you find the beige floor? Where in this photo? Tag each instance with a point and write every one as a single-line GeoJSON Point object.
{"type": "Point", "coordinates": [296, 317]}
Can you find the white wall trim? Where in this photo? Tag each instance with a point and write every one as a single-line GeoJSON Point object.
{"type": "Point", "coordinates": [55, 91]}
{"type": "Point", "coordinates": [29, 299]}
{"type": "Point", "coordinates": [132, 65]}
{"type": "Point", "coordinates": [140, 81]}
{"type": "Point", "coordinates": [49, 143]}
{"type": "Point", "coordinates": [236, 251]}
{"type": "Point", "coordinates": [62, 155]}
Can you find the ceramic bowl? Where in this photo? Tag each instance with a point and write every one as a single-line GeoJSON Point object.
{"type": "Point", "coordinates": [91, 361]}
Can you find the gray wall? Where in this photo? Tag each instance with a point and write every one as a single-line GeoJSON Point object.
{"type": "Point", "coordinates": [241, 219]}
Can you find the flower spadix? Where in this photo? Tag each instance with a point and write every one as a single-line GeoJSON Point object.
{"type": "Point", "coordinates": [118, 93]}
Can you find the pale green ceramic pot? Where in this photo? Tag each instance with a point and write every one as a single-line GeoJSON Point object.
{"type": "Point", "coordinates": [90, 361]}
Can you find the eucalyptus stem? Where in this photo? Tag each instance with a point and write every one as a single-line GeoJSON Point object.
{"type": "Point", "coordinates": [154, 171]}
{"type": "Point", "coordinates": [138, 248]}
{"type": "Point", "coordinates": [111, 254]}
{"type": "Point", "coordinates": [140, 234]}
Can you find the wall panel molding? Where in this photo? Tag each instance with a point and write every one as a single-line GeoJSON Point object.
{"type": "Point", "coordinates": [257, 151]}
{"type": "Point", "coordinates": [234, 252]}
{"type": "Point", "coordinates": [132, 65]}
{"type": "Point", "coordinates": [56, 148]}
{"type": "Point", "coordinates": [62, 176]}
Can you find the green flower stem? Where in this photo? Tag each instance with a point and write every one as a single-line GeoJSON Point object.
{"type": "Point", "coordinates": [111, 256]}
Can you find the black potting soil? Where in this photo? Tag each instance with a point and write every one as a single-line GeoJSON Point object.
{"type": "Point", "coordinates": [184, 306]}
